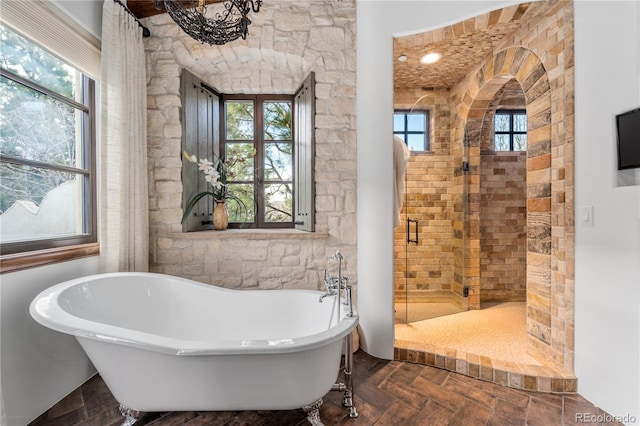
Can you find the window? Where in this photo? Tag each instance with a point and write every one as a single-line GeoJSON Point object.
{"type": "Point", "coordinates": [47, 143]}
{"type": "Point", "coordinates": [413, 128]}
{"type": "Point", "coordinates": [510, 130]}
{"type": "Point", "coordinates": [274, 135]}
{"type": "Point", "coordinates": [264, 181]}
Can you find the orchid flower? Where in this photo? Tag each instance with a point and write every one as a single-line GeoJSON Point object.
{"type": "Point", "coordinates": [217, 173]}
{"type": "Point", "coordinates": [205, 165]}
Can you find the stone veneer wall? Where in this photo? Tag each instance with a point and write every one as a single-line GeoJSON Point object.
{"type": "Point", "coordinates": [503, 208]}
{"type": "Point", "coordinates": [286, 41]}
{"type": "Point", "coordinates": [540, 57]}
{"type": "Point", "coordinates": [427, 269]}
{"type": "Point", "coordinates": [503, 227]}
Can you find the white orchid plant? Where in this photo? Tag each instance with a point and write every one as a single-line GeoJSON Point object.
{"type": "Point", "coordinates": [217, 173]}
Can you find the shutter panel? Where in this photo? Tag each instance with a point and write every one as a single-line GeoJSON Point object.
{"type": "Point", "coordinates": [200, 137]}
{"type": "Point", "coordinates": [304, 154]}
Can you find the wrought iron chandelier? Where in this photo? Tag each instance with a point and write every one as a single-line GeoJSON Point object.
{"type": "Point", "coordinates": [228, 24]}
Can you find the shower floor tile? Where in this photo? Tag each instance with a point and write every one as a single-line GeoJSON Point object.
{"type": "Point", "coordinates": [489, 344]}
{"type": "Point", "coordinates": [497, 331]}
{"type": "Point", "coordinates": [386, 393]}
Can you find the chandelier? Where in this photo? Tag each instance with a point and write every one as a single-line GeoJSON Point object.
{"type": "Point", "coordinates": [227, 24]}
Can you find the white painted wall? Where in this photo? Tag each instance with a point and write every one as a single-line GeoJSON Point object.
{"type": "Point", "coordinates": [607, 361]}
{"type": "Point", "coordinates": [38, 366]}
{"type": "Point", "coordinates": [377, 23]}
{"type": "Point", "coordinates": [87, 13]}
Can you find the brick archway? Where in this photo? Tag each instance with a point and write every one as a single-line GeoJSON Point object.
{"type": "Point", "coordinates": [527, 68]}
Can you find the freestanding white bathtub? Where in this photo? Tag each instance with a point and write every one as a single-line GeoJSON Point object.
{"type": "Point", "coordinates": [163, 343]}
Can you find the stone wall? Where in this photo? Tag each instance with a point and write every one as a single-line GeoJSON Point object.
{"type": "Point", "coordinates": [427, 269]}
{"type": "Point", "coordinates": [540, 57]}
{"type": "Point", "coordinates": [503, 227]}
{"type": "Point", "coordinates": [503, 208]}
{"type": "Point", "coordinates": [537, 60]}
{"type": "Point", "coordinates": [286, 42]}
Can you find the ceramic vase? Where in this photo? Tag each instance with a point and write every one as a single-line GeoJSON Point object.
{"type": "Point", "coordinates": [220, 216]}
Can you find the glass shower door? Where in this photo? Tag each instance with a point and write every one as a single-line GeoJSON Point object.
{"type": "Point", "coordinates": [412, 254]}
{"type": "Point", "coordinates": [431, 243]}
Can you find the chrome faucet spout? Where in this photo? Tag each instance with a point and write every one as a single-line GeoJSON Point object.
{"type": "Point", "coordinates": [327, 294]}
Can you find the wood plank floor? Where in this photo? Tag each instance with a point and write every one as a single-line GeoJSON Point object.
{"type": "Point", "coordinates": [386, 393]}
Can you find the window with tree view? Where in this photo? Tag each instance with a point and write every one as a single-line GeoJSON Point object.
{"type": "Point", "coordinates": [258, 129]}
{"type": "Point", "coordinates": [46, 149]}
{"type": "Point", "coordinates": [510, 130]}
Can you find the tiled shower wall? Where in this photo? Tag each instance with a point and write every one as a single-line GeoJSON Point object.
{"type": "Point", "coordinates": [426, 270]}
{"type": "Point", "coordinates": [429, 271]}
{"type": "Point", "coordinates": [503, 227]}
{"type": "Point", "coordinates": [503, 208]}
{"type": "Point", "coordinates": [539, 56]}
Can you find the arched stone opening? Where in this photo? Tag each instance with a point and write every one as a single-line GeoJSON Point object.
{"type": "Point", "coordinates": [527, 69]}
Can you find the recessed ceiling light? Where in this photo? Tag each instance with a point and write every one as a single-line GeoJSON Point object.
{"type": "Point", "coordinates": [402, 58]}
{"type": "Point", "coordinates": [430, 58]}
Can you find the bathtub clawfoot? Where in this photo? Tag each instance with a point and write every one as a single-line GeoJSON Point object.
{"type": "Point", "coordinates": [313, 413]}
{"type": "Point", "coordinates": [130, 415]}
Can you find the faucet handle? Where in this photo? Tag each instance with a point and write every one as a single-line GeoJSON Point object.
{"type": "Point", "coordinates": [337, 256]}
{"type": "Point", "coordinates": [330, 283]}
{"type": "Point", "coordinates": [345, 282]}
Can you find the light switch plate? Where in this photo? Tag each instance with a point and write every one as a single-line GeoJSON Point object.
{"type": "Point", "coordinates": [585, 215]}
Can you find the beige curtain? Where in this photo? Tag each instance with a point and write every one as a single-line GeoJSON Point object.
{"type": "Point", "coordinates": [124, 209]}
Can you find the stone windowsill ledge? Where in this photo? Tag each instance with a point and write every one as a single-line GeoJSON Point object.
{"type": "Point", "coordinates": [254, 234]}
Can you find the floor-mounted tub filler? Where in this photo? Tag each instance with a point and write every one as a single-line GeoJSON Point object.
{"type": "Point", "coordinates": [163, 343]}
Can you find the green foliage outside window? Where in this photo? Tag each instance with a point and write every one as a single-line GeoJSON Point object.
{"type": "Point", "coordinates": [270, 175]}
{"type": "Point", "coordinates": [47, 149]}
{"type": "Point", "coordinates": [34, 126]}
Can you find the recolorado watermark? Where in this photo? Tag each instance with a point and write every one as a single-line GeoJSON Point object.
{"type": "Point", "coordinates": [626, 419]}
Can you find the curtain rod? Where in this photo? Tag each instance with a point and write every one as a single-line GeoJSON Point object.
{"type": "Point", "coordinates": [145, 30]}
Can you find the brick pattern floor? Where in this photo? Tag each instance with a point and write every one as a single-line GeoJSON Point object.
{"type": "Point", "coordinates": [386, 393]}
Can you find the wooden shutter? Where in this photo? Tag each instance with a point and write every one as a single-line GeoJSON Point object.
{"type": "Point", "coordinates": [200, 137]}
{"type": "Point", "coordinates": [304, 154]}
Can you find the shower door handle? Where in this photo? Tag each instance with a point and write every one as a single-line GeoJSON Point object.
{"type": "Point", "coordinates": [409, 240]}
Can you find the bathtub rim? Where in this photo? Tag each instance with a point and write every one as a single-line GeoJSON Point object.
{"type": "Point", "coordinates": [45, 310]}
